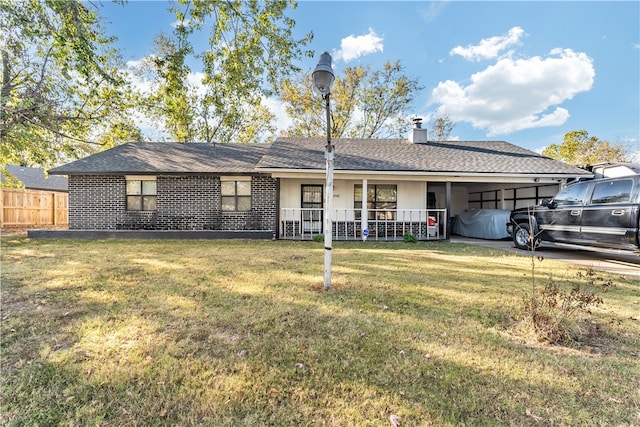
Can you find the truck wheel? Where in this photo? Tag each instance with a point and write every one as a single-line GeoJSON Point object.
{"type": "Point", "coordinates": [522, 237]}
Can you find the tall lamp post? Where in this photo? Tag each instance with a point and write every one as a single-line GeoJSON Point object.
{"type": "Point", "coordinates": [322, 80]}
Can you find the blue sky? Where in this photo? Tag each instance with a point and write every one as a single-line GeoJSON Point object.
{"type": "Point", "coordinates": [524, 72]}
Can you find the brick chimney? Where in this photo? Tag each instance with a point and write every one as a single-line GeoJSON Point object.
{"type": "Point", "coordinates": [417, 135]}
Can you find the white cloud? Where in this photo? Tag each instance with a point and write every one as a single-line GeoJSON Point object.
{"type": "Point", "coordinates": [194, 80]}
{"type": "Point", "coordinates": [517, 94]}
{"type": "Point", "coordinates": [283, 121]}
{"type": "Point", "coordinates": [353, 47]}
{"type": "Point", "coordinates": [135, 64]}
{"type": "Point", "coordinates": [491, 47]}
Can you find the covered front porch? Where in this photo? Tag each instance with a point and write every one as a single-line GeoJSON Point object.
{"type": "Point", "coordinates": [397, 206]}
{"type": "Point", "coordinates": [394, 208]}
{"type": "Point", "coordinates": [382, 225]}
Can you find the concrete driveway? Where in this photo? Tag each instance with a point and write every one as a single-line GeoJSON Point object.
{"type": "Point", "coordinates": [617, 262]}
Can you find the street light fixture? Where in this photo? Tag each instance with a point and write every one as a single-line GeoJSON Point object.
{"type": "Point", "coordinates": [322, 80]}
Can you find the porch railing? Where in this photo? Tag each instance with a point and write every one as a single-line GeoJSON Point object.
{"type": "Point", "coordinates": [423, 224]}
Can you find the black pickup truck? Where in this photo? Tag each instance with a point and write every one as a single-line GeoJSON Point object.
{"type": "Point", "coordinates": [599, 213]}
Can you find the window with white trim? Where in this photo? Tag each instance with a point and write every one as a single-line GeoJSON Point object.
{"type": "Point", "coordinates": [382, 201]}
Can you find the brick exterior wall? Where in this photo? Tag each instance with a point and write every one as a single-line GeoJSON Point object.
{"type": "Point", "coordinates": [95, 200]}
{"type": "Point", "coordinates": [264, 201]}
{"type": "Point", "coordinates": [183, 203]}
{"type": "Point", "coordinates": [187, 202]}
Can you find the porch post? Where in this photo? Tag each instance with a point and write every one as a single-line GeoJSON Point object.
{"type": "Point", "coordinates": [447, 198]}
{"type": "Point", "coordinates": [364, 214]}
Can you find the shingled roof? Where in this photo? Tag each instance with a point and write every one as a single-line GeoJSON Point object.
{"type": "Point", "coordinates": [168, 158]}
{"type": "Point", "coordinates": [400, 155]}
{"type": "Point", "coordinates": [307, 154]}
{"type": "Point", "coordinates": [35, 179]}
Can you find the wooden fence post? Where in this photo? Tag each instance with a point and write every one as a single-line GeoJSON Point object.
{"type": "Point", "coordinates": [54, 209]}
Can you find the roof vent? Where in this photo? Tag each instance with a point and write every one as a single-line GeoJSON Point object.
{"type": "Point", "coordinates": [417, 135]}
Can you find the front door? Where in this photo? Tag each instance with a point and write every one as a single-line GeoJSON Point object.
{"type": "Point", "coordinates": [312, 206]}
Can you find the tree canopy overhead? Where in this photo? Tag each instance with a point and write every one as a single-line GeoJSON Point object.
{"type": "Point", "coordinates": [251, 43]}
{"type": "Point", "coordinates": [62, 90]}
{"type": "Point", "coordinates": [580, 149]}
{"type": "Point", "coordinates": [65, 93]}
{"type": "Point", "coordinates": [367, 103]}
{"type": "Point", "coordinates": [251, 48]}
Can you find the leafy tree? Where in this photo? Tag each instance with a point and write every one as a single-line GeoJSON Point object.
{"type": "Point", "coordinates": [61, 89]}
{"type": "Point", "coordinates": [366, 103]}
{"type": "Point", "coordinates": [169, 99]}
{"type": "Point", "coordinates": [251, 48]}
{"type": "Point", "coordinates": [441, 127]}
{"type": "Point", "coordinates": [192, 113]}
{"type": "Point", "coordinates": [250, 42]}
{"type": "Point", "coordinates": [236, 120]}
{"type": "Point", "coordinates": [119, 133]}
{"type": "Point", "coordinates": [580, 149]}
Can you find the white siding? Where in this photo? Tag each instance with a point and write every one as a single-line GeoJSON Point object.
{"type": "Point", "coordinates": [411, 195]}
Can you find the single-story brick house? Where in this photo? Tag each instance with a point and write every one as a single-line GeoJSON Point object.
{"type": "Point", "coordinates": [276, 190]}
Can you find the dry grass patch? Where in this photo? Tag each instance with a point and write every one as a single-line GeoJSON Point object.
{"type": "Point", "coordinates": [241, 333]}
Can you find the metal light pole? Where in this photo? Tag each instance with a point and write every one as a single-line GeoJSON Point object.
{"type": "Point", "coordinates": [322, 80]}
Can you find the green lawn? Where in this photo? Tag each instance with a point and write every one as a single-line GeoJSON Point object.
{"type": "Point", "coordinates": [181, 333]}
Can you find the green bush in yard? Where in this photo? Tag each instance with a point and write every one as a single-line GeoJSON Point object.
{"type": "Point", "coordinates": [409, 238]}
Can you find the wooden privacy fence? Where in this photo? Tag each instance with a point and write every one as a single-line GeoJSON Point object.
{"type": "Point", "coordinates": [33, 207]}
